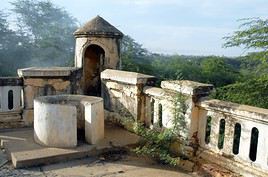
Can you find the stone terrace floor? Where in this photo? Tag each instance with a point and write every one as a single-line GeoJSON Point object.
{"type": "Point", "coordinates": [115, 164]}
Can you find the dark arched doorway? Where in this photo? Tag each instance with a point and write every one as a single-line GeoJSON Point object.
{"type": "Point", "coordinates": [93, 65]}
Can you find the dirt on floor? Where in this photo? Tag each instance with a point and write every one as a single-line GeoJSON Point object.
{"type": "Point", "coordinates": [115, 163]}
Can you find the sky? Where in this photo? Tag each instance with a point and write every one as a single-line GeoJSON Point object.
{"type": "Point", "coordinates": [183, 27]}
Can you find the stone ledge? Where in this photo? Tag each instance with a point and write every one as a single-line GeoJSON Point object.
{"type": "Point", "coordinates": [127, 77]}
{"type": "Point", "coordinates": [187, 87]}
{"type": "Point", "coordinates": [154, 91]}
{"type": "Point", "coordinates": [247, 112]}
{"type": "Point", "coordinates": [46, 71]}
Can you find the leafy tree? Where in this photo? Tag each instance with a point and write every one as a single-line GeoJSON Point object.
{"type": "Point", "coordinates": [49, 29]}
{"type": "Point", "coordinates": [216, 71]}
{"type": "Point", "coordinates": [134, 56]}
{"type": "Point", "coordinates": [252, 88]}
{"type": "Point", "coordinates": [253, 34]}
{"type": "Point", "coordinates": [14, 49]}
{"type": "Point", "coordinates": [219, 71]}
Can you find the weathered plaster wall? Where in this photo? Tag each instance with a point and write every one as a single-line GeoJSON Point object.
{"type": "Point", "coordinates": [161, 104]}
{"type": "Point", "coordinates": [91, 72]}
{"type": "Point", "coordinates": [122, 92]}
{"type": "Point", "coordinates": [46, 81]}
{"type": "Point", "coordinates": [109, 45]}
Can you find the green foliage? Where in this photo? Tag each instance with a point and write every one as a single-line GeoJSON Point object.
{"type": "Point", "coordinates": [157, 141]}
{"type": "Point", "coordinates": [14, 49]}
{"type": "Point", "coordinates": [251, 92]}
{"type": "Point", "coordinates": [242, 80]}
{"type": "Point", "coordinates": [49, 29]}
{"type": "Point", "coordinates": [41, 36]}
{"type": "Point", "coordinates": [217, 72]}
{"type": "Point", "coordinates": [156, 144]}
{"type": "Point", "coordinates": [134, 57]}
{"type": "Point", "coordinates": [251, 88]}
{"type": "Point", "coordinates": [253, 34]}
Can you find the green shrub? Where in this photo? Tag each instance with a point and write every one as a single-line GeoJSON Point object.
{"type": "Point", "coordinates": [157, 141]}
{"type": "Point", "coordinates": [252, 92]}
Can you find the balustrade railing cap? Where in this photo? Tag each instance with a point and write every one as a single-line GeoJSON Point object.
{"type": "Point", "coordinates": [238, 110]}
{"type": "Point", "coordinates": [187, 87]}
{"type": "Point", "coordinates": [126, 77]}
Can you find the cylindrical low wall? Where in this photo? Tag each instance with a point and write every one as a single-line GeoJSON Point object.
{"type": "Point", "coordinates": [56, 119]}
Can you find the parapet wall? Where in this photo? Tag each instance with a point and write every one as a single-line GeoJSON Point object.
{"type": "Point", "coordinates": [229, 134]}
{"type": "Point", "coordinates": [236, 132]}
{"type": "Point", "coordinates": [47, 81]}
{"type": "Point", "coordinates": [161, 104]}
{"type": "Point", "coordinates": [122, 92]}
{"type": "Point", "coordinates": [18, 93]}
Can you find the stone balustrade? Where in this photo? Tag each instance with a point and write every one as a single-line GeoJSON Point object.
{"type": "Point", "coordinates": [10, 94]}
{"type": "Point", "coordinates": [229, 134]}
{"type": "Point", "coordinates": [236, 132]}
{"type": "Point", "coordinates": [10, 102]}
{"type": "Point", "coordinates": [161, 104]}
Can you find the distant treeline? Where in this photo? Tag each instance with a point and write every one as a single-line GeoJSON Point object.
{"type": "Point", "coordinates": [241, 79]}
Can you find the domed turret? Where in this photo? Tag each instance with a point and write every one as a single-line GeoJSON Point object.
{"type": "Point", "coordinates": [98, 27]}
{"type": "Point", "coordinates": [97, 48]}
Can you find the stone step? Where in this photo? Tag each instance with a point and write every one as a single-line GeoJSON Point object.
{"type": "Point", "coordinates": [50, 155]}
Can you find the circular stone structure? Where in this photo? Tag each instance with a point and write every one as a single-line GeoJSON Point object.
{"type": "Point", "coordinates": [57, 118]}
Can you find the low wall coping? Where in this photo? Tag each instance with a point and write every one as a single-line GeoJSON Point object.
{"type": "Point", "coordinates": [46, 71]}
{"type": "Point", "coordinates": [249, 112]}
{"type": "Point", "coordinates": [127, 77]}
{"type": "Point", "coordinates": [154, 91]}
{"type": "Point", "coordinates": [187, 87]}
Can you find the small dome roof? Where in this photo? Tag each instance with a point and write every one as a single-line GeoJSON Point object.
{"type": "Point", "coordinates": [98, 27]}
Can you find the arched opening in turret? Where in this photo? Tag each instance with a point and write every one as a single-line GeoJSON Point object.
{"type": "Point", "coordinates": [93, 65]}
